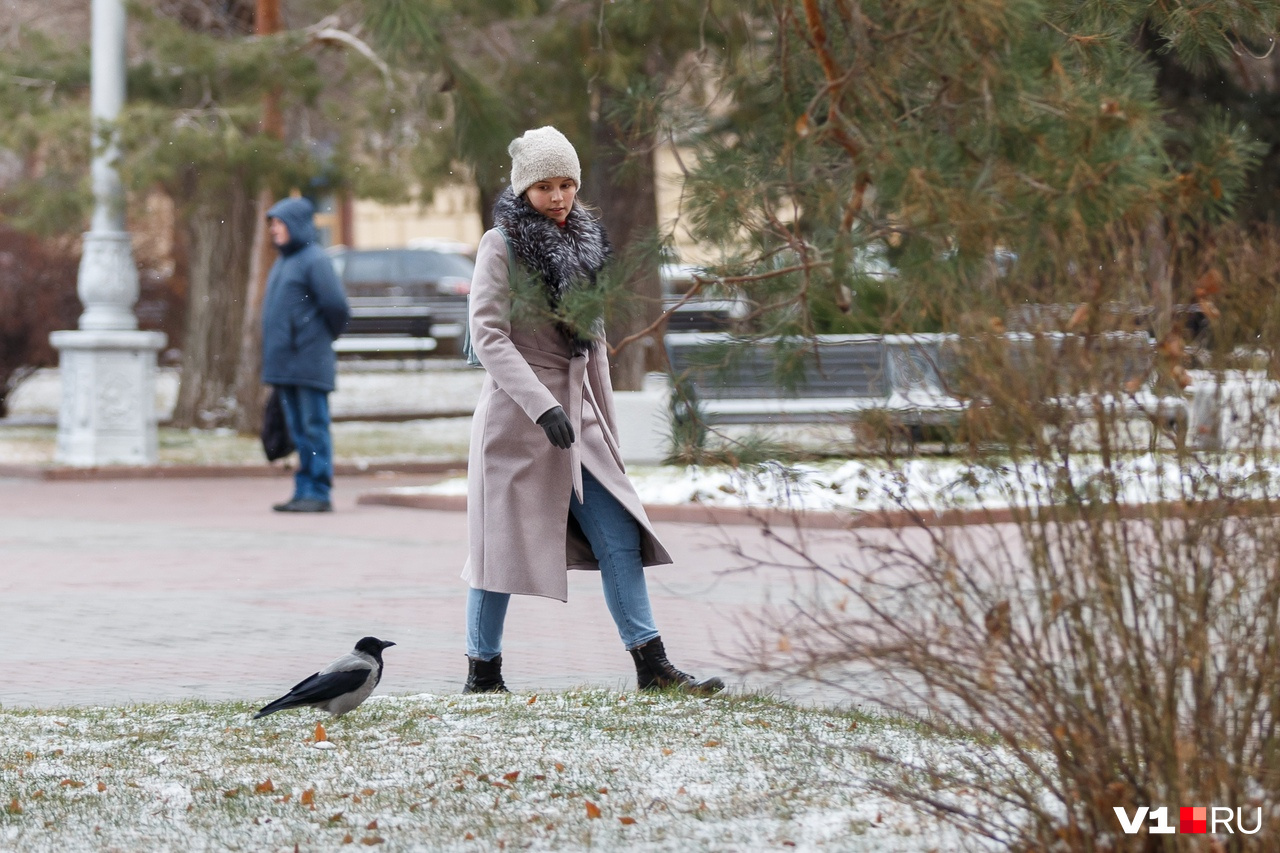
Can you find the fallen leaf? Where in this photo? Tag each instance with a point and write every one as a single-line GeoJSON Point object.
{"type": "Point", "coordinates": [666, 751]}
{"type": "Point", "coordinates": [682, 790]}
{"type": "Point", "coordinates": [627, 821]}
{"type": "Point", "coordinates": [373, 824]}
{"type": "Point", "coordinates": [71, 783]}
{"type": "Point", "coordinates": [368, 792]}
{"type": "Point", "coordinates": [593, 811]}
{"type": "Point", "coordinates": [265, 787]}
{"type": "Point", "coordinates": [308, 797]}
{"type": "Point", "coordinates": [559, 767]}
{"type": "Point", "coordinates": [321, 734]}
{"type": "Point", "coordinates": [603, 790]}
{"type": "Point", "coordinates": [234, 792]}
{"type": "Point", "coordinates": [102, 786]}
{"type": "Point", "coordinates": [14, 807]}
{"type": "Point", "coordinates": [370, 840]}
{"type": "Point", "coordinates": [334, 818]}
{"type": "Point", "coordinates": [469, 837]}
{"type": "Point", "coordinates": [532, 699]}
{"type": "Point", "coordinates": [347, 839]}
{"type": "Point", "coordinates": [712, 743]}
{"type": "Point", "coordinates": [512, 776]}
{"type": "Point", "coordinates": [355, 798]}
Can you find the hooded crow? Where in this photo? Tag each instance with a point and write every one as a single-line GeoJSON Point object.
{"type": "Point", "coordinates": [340, 686]}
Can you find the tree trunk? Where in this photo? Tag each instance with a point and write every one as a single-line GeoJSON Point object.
{"type": "Point", "coordinates": [488, 198]}
{"type": "Point", "coordinates": [1159, 276]}
{"type": "Point", "coordinates": [267, 21]}
{"type": "Point", "coordinates": [249, 396]}
{"type": "Point", "coordinates": [621, 184]}
{"type": "Point", "coordinates": [219, 233]}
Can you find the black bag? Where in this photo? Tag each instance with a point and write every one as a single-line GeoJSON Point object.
{"type": "Point", "coordinates": [276, 441]}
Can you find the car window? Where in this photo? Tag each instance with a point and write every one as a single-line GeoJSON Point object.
{"type": "Point", "coordinates": [429, 265]}
{"type": "Point", "coordinates": [362, 267]}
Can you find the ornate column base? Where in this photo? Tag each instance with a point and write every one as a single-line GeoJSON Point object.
{"type": "Point", "coordinates": [108, 414]}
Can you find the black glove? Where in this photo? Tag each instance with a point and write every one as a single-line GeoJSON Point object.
{"type": "Point", "coordinates": [557, 427]}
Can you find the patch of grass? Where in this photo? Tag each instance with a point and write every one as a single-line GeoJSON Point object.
{"type": "Point", "coordinates": [354, 441]}
{"type": "Point", "coordinates": [564, 771]}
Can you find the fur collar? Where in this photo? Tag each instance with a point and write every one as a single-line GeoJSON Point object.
{"type": "Point", "coordinates": [562, 258]}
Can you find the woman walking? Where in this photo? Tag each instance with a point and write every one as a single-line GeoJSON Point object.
{"type": "Point", "coordinates": [547, 490]}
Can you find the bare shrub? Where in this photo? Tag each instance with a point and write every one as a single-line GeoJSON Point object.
{"type": "Point", "coordinates": [37, 296]}
{"type": "Point", "coordinates": [1110, 620]}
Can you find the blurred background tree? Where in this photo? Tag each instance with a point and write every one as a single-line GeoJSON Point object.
{"type": "Point", "coordinates": [850, 158]}
{"type": "Point", "coordinates": [995, 153]}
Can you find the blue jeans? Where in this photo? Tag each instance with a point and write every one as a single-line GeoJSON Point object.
{"type": "Point", "coordinates": [306, 411]}
{"type": "Point", "coordinates": [615, 539]}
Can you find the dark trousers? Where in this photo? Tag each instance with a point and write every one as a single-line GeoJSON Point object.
{"type": "Point", "coordinates": [306, 411]}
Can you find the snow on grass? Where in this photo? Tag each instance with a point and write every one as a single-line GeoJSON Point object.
{"type": "Point", "coordinates": [933, 483]}
{"type": "Point", "coordinates": [569, 771]}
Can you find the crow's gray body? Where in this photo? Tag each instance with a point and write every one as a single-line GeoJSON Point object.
{"type": "Point", "coordinates": [339, 687]}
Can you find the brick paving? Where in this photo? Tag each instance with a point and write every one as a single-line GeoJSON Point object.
{"type": "Point", "coordinates": [138, 590]}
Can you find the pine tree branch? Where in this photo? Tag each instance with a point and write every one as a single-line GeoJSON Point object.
{"type": "Point", "coordinates": [700, 282]}
{"type": "Point", "coordinates": [325, 32]}
{"type": "Point", "coordinates": [835, 80]}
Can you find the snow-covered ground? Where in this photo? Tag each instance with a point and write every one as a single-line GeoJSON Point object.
{"type": "Point", "coordinates": [574, 771]}
{"type": "Point", "coordinates": [936, 483]}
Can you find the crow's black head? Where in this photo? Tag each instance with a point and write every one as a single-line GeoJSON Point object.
{"type": "Point", "coordinates": [373, 646]}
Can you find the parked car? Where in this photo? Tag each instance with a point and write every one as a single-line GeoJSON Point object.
{"type": "Point", "coordinates": [699, 313]}
{"type": "Point", "coordinates": [407, 291]}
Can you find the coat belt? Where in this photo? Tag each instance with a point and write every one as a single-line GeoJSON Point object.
{"type": "Point", "coordinates": [577, 369]}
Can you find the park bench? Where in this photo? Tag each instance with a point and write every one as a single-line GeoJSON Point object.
{"type": "Point", "coordinates": [841, 378]}
{"type": "Point", "coordinates": [1120, 361]}
{"type": "Point", "coordinates": [385, 326]}
{"type": "Point", "coordinates": [912, 380]}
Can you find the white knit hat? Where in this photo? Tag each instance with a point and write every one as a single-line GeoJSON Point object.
{"type": "Point", "coordinates": [541, 154]}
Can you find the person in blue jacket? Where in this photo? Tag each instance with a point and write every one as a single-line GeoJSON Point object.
{"type": "Point", "coordinates": [303, 311]}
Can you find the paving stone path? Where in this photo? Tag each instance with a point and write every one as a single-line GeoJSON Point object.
{"type": "Point", "coordinates": [138, 590]}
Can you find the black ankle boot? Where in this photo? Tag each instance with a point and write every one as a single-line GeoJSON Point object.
{"type": "Point", "coordinates": [655, 672]}
{"type": "Point", "coordinates": [484, 676]}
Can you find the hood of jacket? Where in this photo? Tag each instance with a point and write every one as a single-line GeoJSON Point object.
{"type": "Point", "coordinates": [298, 215]}
{"type": "Point", "coordinates": [562, 257]}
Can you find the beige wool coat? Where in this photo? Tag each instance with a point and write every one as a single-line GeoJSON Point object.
{"type": "Point", "coordinates": [521, 535]}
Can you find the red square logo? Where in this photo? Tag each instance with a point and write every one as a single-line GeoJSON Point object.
{"type": "Point", "coordinates": [1193, 820]}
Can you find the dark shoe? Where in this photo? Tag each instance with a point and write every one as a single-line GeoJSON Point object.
{"type": "Point", "coordinates": [484, 676]}
{"type": "Point", "coordinates": [304, 505]}
{"type": "Point", "coordinates": [655, 672]}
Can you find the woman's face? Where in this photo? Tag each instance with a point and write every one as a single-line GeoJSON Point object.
{"type": "Point", "coordinates": [553, 197]}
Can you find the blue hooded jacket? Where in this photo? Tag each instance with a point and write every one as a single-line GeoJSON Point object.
{"type": "Point", "coordinates": [304, 309]}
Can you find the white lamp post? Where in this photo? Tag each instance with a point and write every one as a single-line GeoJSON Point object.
{"type": "Point", "coordinates": [108, 366]}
